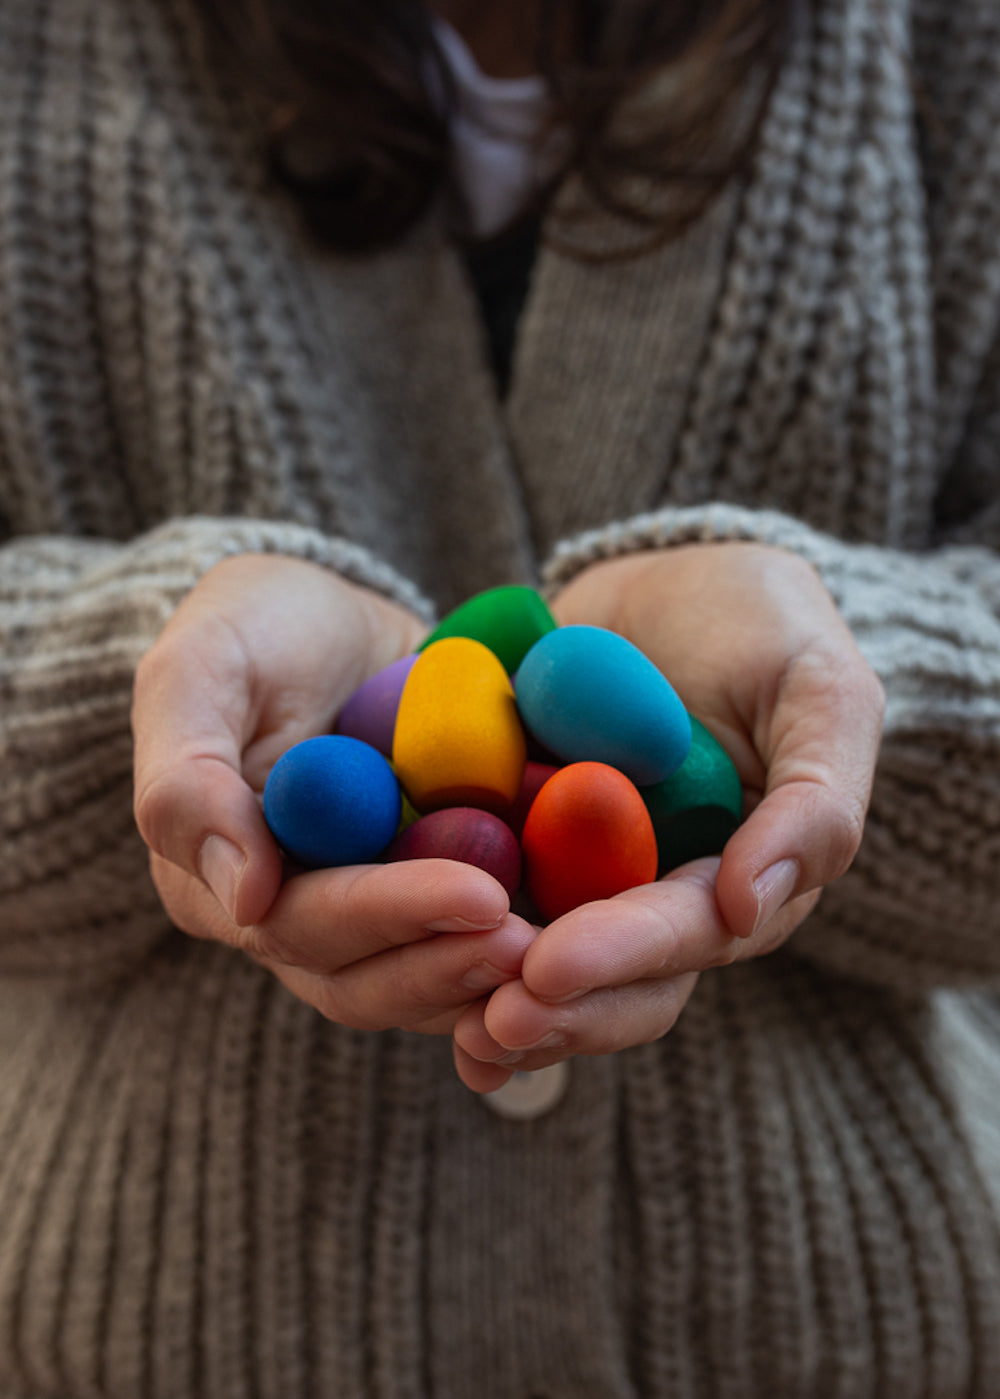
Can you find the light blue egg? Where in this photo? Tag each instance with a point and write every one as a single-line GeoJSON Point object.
{"type": "Point", "coordinates": [588, 694]}
{"type": "Point", "coordinates": [332, 800]}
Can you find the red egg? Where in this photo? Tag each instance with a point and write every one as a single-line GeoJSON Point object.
{"type": "Point", "coordinates": [467, 834]}
{"type": "Point", "coordinates": [587, 836]}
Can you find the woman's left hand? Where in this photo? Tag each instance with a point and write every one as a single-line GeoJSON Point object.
{"type": "Point", "coordinates": [752, 641]}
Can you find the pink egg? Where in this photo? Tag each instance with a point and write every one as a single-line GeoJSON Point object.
{"type": "Point", "coordinates": [464, 833]}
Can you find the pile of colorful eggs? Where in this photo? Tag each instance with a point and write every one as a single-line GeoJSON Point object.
{"type": "Point", "coordinates": [559, 759]}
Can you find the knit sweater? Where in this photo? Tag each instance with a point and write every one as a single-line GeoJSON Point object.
{"type": "Point", "coordinates": [206, 1190]}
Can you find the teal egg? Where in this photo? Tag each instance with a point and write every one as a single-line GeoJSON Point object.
{"type": "Point", "coordinates": [589, 695]}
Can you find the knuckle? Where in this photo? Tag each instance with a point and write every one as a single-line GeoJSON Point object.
{"type": "Point", "coordinates": [661, 927]}
{"type": "Point", "coordinates": [422, 997]}
{"type": "Point", "coordinates": [845, 828]}
{"type": "Point", "coordinates": [151, 669]}
{"type": "Point", "coordinates": [262, 943]}
{"type": "Point", "coordinates": [355, 900]}
{"type": "Point", "coordinates": [826, 674]}
{"type": "Point", "coordinates": [638, 1016]}
{"type": "Point", "coordinates": [154, 805]}
{"type": "Point", "coordinates": [832, 672]}
{"type": "Point", "coordinates": [722, 953]}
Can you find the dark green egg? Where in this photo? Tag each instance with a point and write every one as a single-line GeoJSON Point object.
{"type": "Point", "coordinates": [697, 809]}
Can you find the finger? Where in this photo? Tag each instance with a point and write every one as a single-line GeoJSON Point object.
{"type": "Point", "coordinates": [413, 984]}
{"type": "Point", "coordinates": [192, 806]}
{"type": "Point", "coordinates": [516, 1030]}
{"type": "Point", "coordinates": [480, 1077]}
{"type": "Point", "coordinates": [423, 986]}
{"type": "Point", "coordinates": [821, 747]}
{"type": "Point", "coordinates": [651, 932]}
{"type": "Point", "coordinates": [314, 991]}
{"type": "Point", "coordinates": [325, 920]}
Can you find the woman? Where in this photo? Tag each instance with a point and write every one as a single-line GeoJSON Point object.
{"type": "Point", "coordinates": [253, 438]}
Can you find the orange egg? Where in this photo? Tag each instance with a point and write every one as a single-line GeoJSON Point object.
{"type": "Point", "coordinates": [458, 739]}
{"type": "Point", "coordinates": [587, 836]}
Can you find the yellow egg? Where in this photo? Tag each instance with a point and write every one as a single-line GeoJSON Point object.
{"type": "Point", "coordinates": [458, 739]}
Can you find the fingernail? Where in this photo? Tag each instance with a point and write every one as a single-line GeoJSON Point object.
{"type": "Point", "coordinates": [462, 925]}
{"type": "Point", "coordinates": [221, 865]}
{"type": "Point", "coordinates": [501, 1056]}
{"type": "Point", "coordinates": [483, 977]}
{"type": "Point", "coordinates": [566, 996]}
{"type": "Point", "coordinates": [555, 1039]}
{"type": "Point", "coordinates": [773, 888]}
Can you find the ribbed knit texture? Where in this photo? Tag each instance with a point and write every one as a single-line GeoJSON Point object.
{"type": "Point", "coordinates": [208, 1192]}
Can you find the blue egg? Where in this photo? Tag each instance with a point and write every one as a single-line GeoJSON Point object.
{"type": "Point", "coordinates": [589, 695]}
{"type": "Point", "coordinates": [332, 800]}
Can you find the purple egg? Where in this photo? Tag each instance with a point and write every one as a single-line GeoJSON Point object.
{"type": "Point", "coordinates": [467, 834]}
{"type": "Point", "coordinates": [370, 713]}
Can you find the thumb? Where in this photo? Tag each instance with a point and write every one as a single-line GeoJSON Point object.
{"type": "Point", "coordinates": [825, 732]}
{"type": "Point", "coordinates": [192, 805]}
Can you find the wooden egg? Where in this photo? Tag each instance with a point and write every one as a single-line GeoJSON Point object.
{"type": "Point", "coordinates": [588, 694]}
{"type": "Point", "coordinates": [509, 620]}
{"type": "Point", "coordinates": [370, 713]}
{"type": "Point", "coordinates": [697, 809]}
{"type": "Point", "coordinates": [535, 777]}
{"type": "Point", "coordinates": [463, 833]}
{"type": "Point", "coordinates": [332, 800]}
{"type": "Point", "coordinates": [407, 812]}
{"type": "Point", "coordinates": [587, 836]}
{"type": "Point", "coordinates": [458, 739]}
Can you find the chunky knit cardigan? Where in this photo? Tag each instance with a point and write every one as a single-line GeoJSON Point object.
{"type": "Point", "coordinates": [206, 1190]}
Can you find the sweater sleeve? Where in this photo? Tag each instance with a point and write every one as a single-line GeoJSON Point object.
{"type": "Point", "coordinates": [75, 616]}
{"type": "Point", "coordinates": [920, 905]}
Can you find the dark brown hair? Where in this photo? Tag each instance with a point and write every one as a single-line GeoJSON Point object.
{"type": "Point", "coordinates": [662, 100]}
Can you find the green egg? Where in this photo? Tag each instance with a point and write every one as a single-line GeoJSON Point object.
{"type": "Point", "coordinates": [509, 620]}
{"type": "Point", "coordinates": [408, 813]}
{"type": "Point", "coordinates": [695, 811]}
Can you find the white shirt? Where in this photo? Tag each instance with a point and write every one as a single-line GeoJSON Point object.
{"type": "Point", "coordinates": [498, 162]}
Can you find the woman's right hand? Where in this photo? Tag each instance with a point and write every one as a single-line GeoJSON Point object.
{"type": "Point", "coordinates": [260, 655]}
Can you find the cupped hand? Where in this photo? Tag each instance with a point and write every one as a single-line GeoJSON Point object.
{"type": "Point", "coordinates": [752, 641]}
{"type": "Point", "coordinates": [260, 655]}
